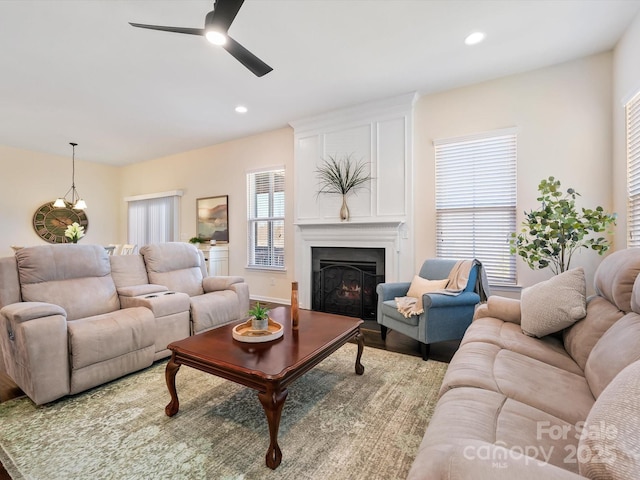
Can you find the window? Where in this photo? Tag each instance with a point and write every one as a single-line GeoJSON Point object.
{"type": "Point", "coordinates": [153, 218]}
{"type": "Point", "coordinates": [265, 202]}
{"type": "Point", "coordinates": [476, 201]}
{"type": "Point", "coordinates": [632, 109]}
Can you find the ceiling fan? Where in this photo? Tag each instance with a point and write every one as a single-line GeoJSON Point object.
{"type": "Point", "coordinates": [216, 26]}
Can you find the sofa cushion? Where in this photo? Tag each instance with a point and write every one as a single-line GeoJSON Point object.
{"type": "Point", "coordinates": [472, 418]}
{"type": "Point", "coordinates": [175, 265]}
{"type": "Point", "coordinates": [616, 275]}
{"type": "Point", "coordinates": [521, 378]}
{"type": "Point", "coordinates": [610, 440]}
{"type": "Point", "coordinates": [554, 304]}
{"type": "Point", "coordinates": [509, 335]}
{"type": "Point", "coordinates": [128, 270]}
{"type": "Point", "coordinates": [580, 338]}
{"type": "Point", "coordinates": [618, 347]}
{"type": "Point", "coordinates": [76, 277]}
{"type": "Point", "coordinates": [103, 337]}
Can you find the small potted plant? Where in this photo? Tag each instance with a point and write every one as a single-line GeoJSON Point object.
{"type": "Point", "coordinates": [259, 317]}
{"type": "Point", "coordinates": [197, 241]}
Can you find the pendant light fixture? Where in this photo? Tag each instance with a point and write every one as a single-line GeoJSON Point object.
{"type": "Point", "coordinates": [76, 202]}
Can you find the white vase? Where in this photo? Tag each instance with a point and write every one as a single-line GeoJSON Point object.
{"type": "Point", "coordinates": [344, 210]}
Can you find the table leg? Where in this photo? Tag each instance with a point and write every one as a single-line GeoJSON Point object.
{"type": "Point", "coordinates": [360, 340]}
{"type": "Point", "coordinates": [170, 376]}
{"type": "Point", "coordinates": [272, 401]}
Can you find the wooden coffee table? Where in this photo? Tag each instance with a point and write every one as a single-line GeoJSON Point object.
{"type": "Point", "coordinates": [266, 367]}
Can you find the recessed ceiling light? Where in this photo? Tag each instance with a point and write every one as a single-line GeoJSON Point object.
{"type": "Point", "coordinates": [241, 109]}
{"type": "Point", "coordinates": [474, 38]}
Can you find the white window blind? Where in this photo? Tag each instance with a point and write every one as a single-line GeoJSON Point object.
{"type": "Point", "coordinates": [476, 201]}
{"type": "Point", "coordinates": [265, 202]}
{"type": "Point", "coordinates": [632, 109]}
{"type": "Point", "coordinates": [153, 220]}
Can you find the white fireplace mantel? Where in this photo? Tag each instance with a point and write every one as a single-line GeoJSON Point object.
{"type": "Point", "coordinates": [353, 229]}
{"type": "Point", "coordinates": [382, 234]}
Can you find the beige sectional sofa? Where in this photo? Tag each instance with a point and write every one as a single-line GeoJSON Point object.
{"type": "Point", "coordinates": [72, 317]}
{"type": "Point", "coordinates": [564, 406]}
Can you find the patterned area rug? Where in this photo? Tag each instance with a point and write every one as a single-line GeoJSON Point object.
{"type": "Point", "coordinates": [335, 425]}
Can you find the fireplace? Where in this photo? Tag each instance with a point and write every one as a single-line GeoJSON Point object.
{"type": "Point", "coordinates": [344, 280]}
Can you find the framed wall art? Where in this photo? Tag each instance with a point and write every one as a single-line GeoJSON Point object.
{"type": "Point", "coordinates": [212, 217]}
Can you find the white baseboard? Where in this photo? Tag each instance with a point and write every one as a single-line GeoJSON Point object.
{"type": "Point", "coordinates": [260, 298]}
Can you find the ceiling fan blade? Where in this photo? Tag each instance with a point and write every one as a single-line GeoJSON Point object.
{"type": "Point", "coordinates": [189, 31]}
{"type": "Point", "coordinates": [224, 12]}
{"type": "Point", "coordinates": [245, 57]}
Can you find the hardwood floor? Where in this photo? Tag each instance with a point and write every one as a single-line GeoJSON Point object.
{"type": "Point", "coordinates": [395, 342]}
{"type": "Point", "coordinates": [8, 389]}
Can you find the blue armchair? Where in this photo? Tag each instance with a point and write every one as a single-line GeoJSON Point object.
{"type": "Point", "coordinates": [445, 317]}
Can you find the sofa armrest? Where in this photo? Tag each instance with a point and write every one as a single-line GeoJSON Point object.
{"type": "Point", "coordinates": [482, 461]}
{"type": "Point", "coordinates": [137, 290]}
{"type": "Point", "coordinates": [389, 291]}
{"type": "Point", "coordinates": [34, 346]}
{"type": "Point", "coordinates": [218, 283]}
{"type": "Point", "coordinates": [502, 308]}
{"type": "Point", "coordinates": [25, 311]}
{"type": "Point", "coordinates": [161, 303]}
{"type": "Point", "coordinates": [439, 300]}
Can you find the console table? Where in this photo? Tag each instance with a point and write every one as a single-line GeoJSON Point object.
{"type": "Point", "coordinates": [217, 258]}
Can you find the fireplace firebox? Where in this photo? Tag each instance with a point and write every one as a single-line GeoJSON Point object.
{"type": "Point", "coordinates": [344, 280]}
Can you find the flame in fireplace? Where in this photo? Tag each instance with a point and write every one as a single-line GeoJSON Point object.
{"type": "Point", "coordinates": [351, 291]}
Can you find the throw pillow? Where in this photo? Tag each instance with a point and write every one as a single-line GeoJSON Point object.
{"type": "Point", "coordinates": [420, 286]}
{"type": "Point", "coordinates": [609, 444]}
{"type": "Point", "coordinates": [554, 304]}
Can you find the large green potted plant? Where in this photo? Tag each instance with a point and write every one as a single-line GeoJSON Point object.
{"type": "Point", "coordinates": [551, 234]}
{"type": "Point", "coordinates": [342, 176]}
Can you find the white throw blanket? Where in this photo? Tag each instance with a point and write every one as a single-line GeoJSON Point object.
{"type": "Point", "coordinates": [409, 306]}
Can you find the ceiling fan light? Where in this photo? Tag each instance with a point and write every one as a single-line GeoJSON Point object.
{"type": "Point", "coordinates": [59, 203]}
{"type": "Point", "coordinates": [80, 205]}
{"type": "Point", "coordinates": [474, 38]}
{"type": "Point", "coordinates": [215, 37]}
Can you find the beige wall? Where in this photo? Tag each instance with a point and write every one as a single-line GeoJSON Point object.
{"type": "Point", "coordinates": [563, 114]}
{"type": "Point", "coordinates": [564, 121]}
{"type": "Point", "coordinates": [30, 179]}
{"type": "Point", "coordinates": [626, 74]}
{"type": "Point", "coordinates": [221, 170]}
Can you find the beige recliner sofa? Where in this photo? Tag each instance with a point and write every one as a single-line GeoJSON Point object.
{"type": "Point", "coordinates": [564, 406]}
{"type": "Point", "coordinates": [72, 317]}
{"type": "Point", "coordinates": [215, 301]}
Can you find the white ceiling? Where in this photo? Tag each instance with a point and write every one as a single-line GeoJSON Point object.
{"type": "Point", "coordinates": [75, 70]}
